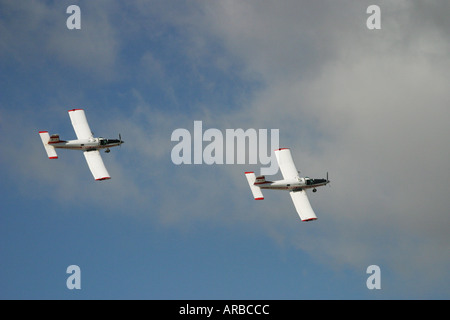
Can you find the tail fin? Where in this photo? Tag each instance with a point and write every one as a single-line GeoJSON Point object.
{"type": "Point", "coordinates": [54, 138]}
{"type": "Point", "coordinates": [256, 191]}
{"type": "Point", "coordinates": [51, 152]}
{"type": "Point", "coordinates": [260, 180]}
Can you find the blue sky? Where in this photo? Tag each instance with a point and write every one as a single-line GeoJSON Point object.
{"type": "Point", "coordinates": [369, 106]}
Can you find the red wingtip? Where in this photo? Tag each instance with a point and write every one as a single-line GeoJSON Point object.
{"type": "Point", "coordinates": [249, 172]}
{"type": "Point", "coordinates": [74, 110]}
{"type": "Point", "coordinates": [104, 178]}
{"type": "Point", "coordinates": [282, 149]}
{"type": "Point", "coordinates": [53, 157]}
{"type": "Point", "coordinates": [259, 198]}
{"type": "Point", "coordinates": [312, 219]}
{"type": "Point", "coordinates": [43, 131]}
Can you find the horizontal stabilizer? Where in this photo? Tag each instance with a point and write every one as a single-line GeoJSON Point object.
{"type": "Point", "coordinates": [256, 191]}
{"type": "Point", "coordinates": [51, 152]}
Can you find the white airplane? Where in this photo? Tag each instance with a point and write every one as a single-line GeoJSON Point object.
{"type": "Point", "coordinates": [292, 181]}
{"type": "Point", "coordinates": [85, 141]}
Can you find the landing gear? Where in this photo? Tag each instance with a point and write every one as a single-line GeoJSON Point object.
{"type": "Point", "coordinates": [314, 190]}
{"type": "Point", "coordinates": [107, 150]}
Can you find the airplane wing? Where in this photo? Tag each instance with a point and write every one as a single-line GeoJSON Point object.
{"type": "Point", "coordinates": [96, 165]}
{"type": "Point", "coordinates": [80, 124]}
{"type": "Point", "coordinates": [286, 163]}
{"type": "Point", "coordinates": [302, 205]}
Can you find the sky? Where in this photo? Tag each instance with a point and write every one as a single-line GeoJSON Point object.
{"type": "Point", "coordinates": [369, 106]}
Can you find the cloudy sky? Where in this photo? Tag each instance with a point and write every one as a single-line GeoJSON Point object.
{"type": "Point", "coordinates": [371, 107]}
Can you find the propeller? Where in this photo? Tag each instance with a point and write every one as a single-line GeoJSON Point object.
{"type": "Point", "coordinates": [120, 139]}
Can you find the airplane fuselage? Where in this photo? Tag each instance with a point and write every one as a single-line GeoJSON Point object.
{"type": "Point", "coordinates": [86, 144]}
{"type": "Point", "coordinates": [293, 184]}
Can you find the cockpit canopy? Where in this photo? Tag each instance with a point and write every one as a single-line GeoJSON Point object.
{"type": "Point", "coordinates": [310, 182]}
{"type": "Point", "coordinates": [104, 142]}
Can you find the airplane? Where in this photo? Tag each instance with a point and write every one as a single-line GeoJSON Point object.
{"type": "Point", "coordinates": [85, 142]}
{"type": "Point", "coordinates": [292, 182]}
